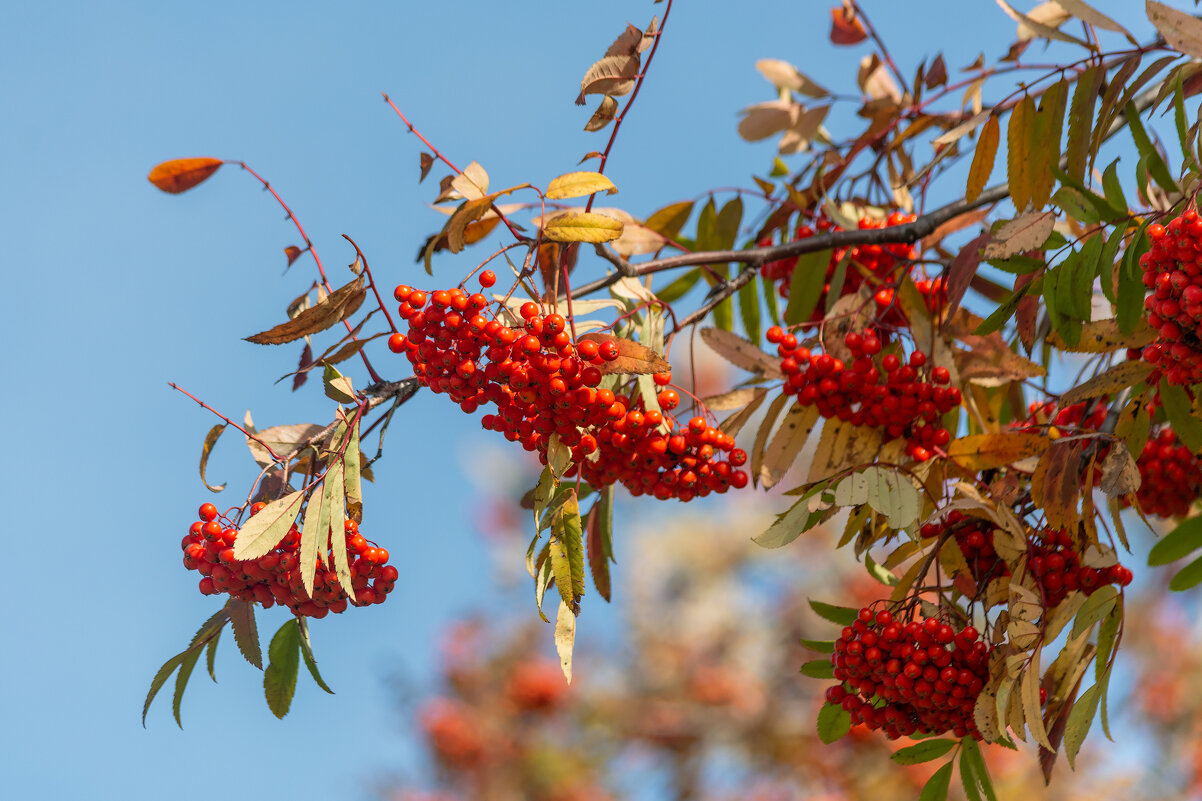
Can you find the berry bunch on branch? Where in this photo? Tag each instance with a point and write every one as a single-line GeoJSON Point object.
{"type": "Point", "coordinates": [986, 385]}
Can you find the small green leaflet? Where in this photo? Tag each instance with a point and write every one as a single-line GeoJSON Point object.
{"type": "Point", "coordinates": [1079, 720]}
{"type": "Point", "coordinates": [924, 751]}
{"type": "Point", "coordinates": [246, 633]}
{"type": "Point", "coordinates": [567, 552]}
{"type": "Point", "coordinates": [805, 286]}
{"type": "Point", "coordinates": [818, 669]}
{"type": "Point", "coordinates": [821, 646]}
{"type": "Point", "coordinates": [1156, 166]}
{"type": "Point", "coordinates": [1184, 539]}
{"type": "Point", "coordinates": [208, 630]}
{"type": "Point", "coordinates": [973, 773]}
{"type": "Point", "coordinates": [1096, 607]}
{"type": "Point", "coordinates": [887, 491]}
{"type": "Point", "coordinates": [937, 786]}
{"type": "Point", "coordinates": [279, 680]}
{"type": "Point", "coordinates": [833, 723]}
{"type": "Point", "coordinates": [797, 520]}
{"type": "Point", "coordinates": [842, 615]}
{"type": "Point", "coordinates": [307, 653]}
{"type": "Point", "coordinates": [265, 530]}
{"type": "Point", "coordinates": [1187, 577]}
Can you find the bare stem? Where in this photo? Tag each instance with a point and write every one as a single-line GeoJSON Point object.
{"type": "Point", "coordinates": [227, 420]}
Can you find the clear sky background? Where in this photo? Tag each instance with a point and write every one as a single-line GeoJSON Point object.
{"type": "Point", "coordinates": [112, 289]}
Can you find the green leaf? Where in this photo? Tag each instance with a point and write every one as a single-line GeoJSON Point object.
{"type": "Point", "coordinates": [834, 722]}
{"type": "Point", "coordinates": [821, 646]}
{"type": "Point", "coordinates": [723, 313]}
{"type": "Point", "coordinates": [749, 309]}
{"type": "Point", "coordinates": [246, 633]}
{"type": "Point", "coordinates": [1080, 116]}
{"type": "Point", "coordinates": [1096, 607]}
{"type": "Point", "coordinates": [790, 525]}
{"type": "Point", "coordinates": [307, 653]}
{"type": "Point", "coordinates": [1187, 577]}
{"type": "Point", "coordinates": [315, 524]}
{"type": "Point", "coordinates": [977, 774]}
{"type": "Point", "coordinates": [805, 286]}
{"type": "Point", "coordinates": [1147, 150]}
{"type": "Point", "coordinates": [337, 386]}
{"type": "Point", "coordinates": [779, 168]}
{"type": "Point", "coordinates": [1131, 289]}
{"type": "Point", "coordinates": [352, 476]}
{"type": "Point", "coordinates": [1187, 153]}
{"type": "Point", "coordinates": [924, 751]}
{"type": "Point", "coordinates": [770, 300]}
{"type": "Point", "coordinates": [1113, 189]}
{"type": "Point", "coordinates": [1105, 270]}
{"type": "Point", "coordinates": [1075, 204]}
{"type": "Point", "coordinates": [159, 679]}
{"type": "Point", "coordinates": [264, 531]}
{"type": "Point", "coordinates": [1045, 141]}
{"type": "Point", "coordinates": [211, 656]}
{"type": "Point", "coordinates": [279, 680]}
{"type": "Point", "coordinates": [936, 787]}
{"type": "Point", "coordinates": [1180, 414]}
{"type": "Point", "coordinates": [818, 669]}
{"type": "Point", "coordinates": [567, 553]}
{"type": "Point", "coordinates": [209, 629]}
{"type": "Point", "coordinates": [1005, 310]}
{"type": "Point", "coordinates": [1080, 718]}
{"type": "Point", "coordinates": [1184, 539]}
{"type": "Point", "coordinates": [1107, 635]}
{"type": "Point", "coordinates": [842, 615]}
{"type": "Point", "coordinates": [181, 681]}
{"type": "Point", "coordinates": [838, 278]}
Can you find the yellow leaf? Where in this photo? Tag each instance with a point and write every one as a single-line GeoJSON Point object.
{"type": "Point", "coordinates": [1022, 120]}
{"type": "Point", "coordinates": [579, 184]}
{"type": "Point", "coordinates": [1122, 375]}
{"type": "Point", "coordinates": [583, 227]}
{"type": "Point", "coordinates": [986, 451]}
{"type": "Point", "coordinates": [982, 159]}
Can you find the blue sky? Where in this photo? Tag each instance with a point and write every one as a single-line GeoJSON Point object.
{"type": "Point", "coordinates": [113, 289]}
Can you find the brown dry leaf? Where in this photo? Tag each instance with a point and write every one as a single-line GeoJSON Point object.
{"type": "Point", "coordinates": [1056, 483]}
{"type": "Point", "coordinates": [293, 253]}
{"type": "Point", "coordinates": [936, 73]}
{"type": "Point", "coordinates": [633, 358]}
{"type": "Point", "coordinates": [741, 353]}
{"type": "Point", "coordinates": [1040, 21]}
{"type": "Point", "coordinates": [1025, 232]}
{"type": "Point", "coordinates": [284, 440]}
{"type": "Point", "coordinates": [957, 223]}
{"type": "Point", "coordinates": [1120, 475]}
{"type": "Point", "coordinates": [303, 367]}
{"type": "Point", "coordinates": [206, 449]}
{"type": "Point", "coordinates": [180, 175]}
{"type": "Point", "coordinates": [1103, 336]}
{"type": "Point", "coordinates": [603, 116]}
{"type": "Point", "coordinates": [798, 137]}
{"type": "Point", "coordinates": [1121, 376]}
{"type": "Point", "coordinates": [990, 362]}
{"type": "Point", "coordinates": [1090, 15]}
{"type": "Point", "coordinates": [344, 302]}
{"type": "Point", "coordinates": [734, 424]}
{"type": "Point", "coordinates": [627, 43]}
{"type": "Point", "coordinates": [427, 161]}
{"type": "Point", "coordinates": [1026, 313]}
{"type": "Point", "coordinates": [465, 215]}
{"type": "Point", "coordinates": [790, 438]}
{"type": "Point", "coordinates": [636, 240]}
{"type": "Point", "coordinates": [735, 399]}
{"type": "Point", "coordinates": [961, 270]}
{"type": "Point", "coordinates": [612, 75]}
{"type": "Point", "coordinates": [1182, 31]}
{"type": "Point", "coordinates": [986, 451]}
{"type": "Point", "coordinates": [983, 159]}
{"type": "Point", "coordinates": [349, 349]}
{"type": "Point", "coordinates": [846, 28]}
{"type": "Point", "coordinates": [843, 445]}
{"type": "Point", "coordinates": [766, 119]}
{"type": "Point", "coordinates": [784, 75]}
{"type": "Point", "coordinates": [762, 433]}
{"type": "Point", "coordinates": [472, 183]}
{"type": "Point", "coordinates": [875, 81]}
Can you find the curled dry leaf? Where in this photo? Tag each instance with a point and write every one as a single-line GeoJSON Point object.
{"type": "Point", "coordinates": [846, 28]}
{"type": "Point", "coordinates": [210, 441]}
{"type": "Point", "coordinates": [612, 75]}
{"type": "Point", "coordinates": [344, 302]}
{"type": "Point", "coordinates": [990, 362]}
{"type": "Point", "coordinates": [472, 183]}
{"type": "Point", "coordinates": [1120, 474]}
{"type": "Point", "coordinates": [784, 75]}
{"type": "Point", "coordinates": [1056, 483]}
{"type": "Point", "coordinates": [799, 135]}
{"type": "Point", "coordinates": [875, 81]}
{"type": "Point", "coordinates": [1025, 232]}
{"type": "Point", "coordinates": [633, 358]}
{"type": "Point", "coordinates": [603, 116]}
{"type": "Point", "coordinates": [427, 161]}
{"type": "Point", "coordinates": [284, 440]}
{"type": "Point", "coordinates": [741, 353]}
{"type": "Point", "coordinates": [180, 175]}
{"type": "Point", "coordinates": [293, 253]}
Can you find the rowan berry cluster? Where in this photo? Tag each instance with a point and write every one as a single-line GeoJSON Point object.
{"type": "Point", "coordinates": [877, 390]}
{"type": "Point", "coordinates": [1072, 416]}
{"type": "Point", "coordinates": [546, 385]}
{"type": "Point", "coordinates": [876, 260]}
{"type": "Point", "coordinates": [1052, 557]}
{"type": "Point", "coordinates": [921, 676]}
{"type": "Point", "coordinates": [1170, 475]}
{"type": "Point", "coordinates": [1172, 269]}
{"type": "Point", "coordinates": [275, 577]}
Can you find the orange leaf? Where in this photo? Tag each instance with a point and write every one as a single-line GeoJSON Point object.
{"type": "Point", "coordinates": [633, 358]}
{"type": "Point", "coordinates": [846, 28]}
{"type": "Point", "coordinates": [180, 175]}
{"type": "Point", "coordinates": [293, 253]}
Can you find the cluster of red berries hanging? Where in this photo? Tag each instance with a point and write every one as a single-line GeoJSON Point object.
{"type": "Point", "coordinates": [876, 390]}
{"type": "Point", "coordinates": [1071, 416]}
{"type": "Point", "coordinates": [905, 678]}
{"type": "Point", "coordinates": [276, 577]}
{"type": "Point", "coordinates": [878, 260]}
{"type": "Point", "coordinates": [1172, 269]}
{"type": "Point", "coordinates": [545, 384]}
{"type": "Point", "coordinates": [1052, 558]}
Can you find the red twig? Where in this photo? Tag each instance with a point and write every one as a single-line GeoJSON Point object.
{"type": "Point", "coordinates": [316, 259]}
{"type": "Point", "coordinates": [372, 282]}
{"type": "Point", "coordinates": [638, 84]}
{"type": "Point", "coordinates": [228, 421]}
{"type": "Point", "coordinates": [438, 155]}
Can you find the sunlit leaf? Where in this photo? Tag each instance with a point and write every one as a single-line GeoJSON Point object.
{"type": "Point", "coordinates": [180, 175]}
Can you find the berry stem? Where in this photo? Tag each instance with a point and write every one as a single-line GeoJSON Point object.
{"type": "Point", "coordinates": [227, 420]}
{"type": "Point", "coordinates": [375, 291]}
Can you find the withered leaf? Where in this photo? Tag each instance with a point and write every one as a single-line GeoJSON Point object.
{"type": "Point", "coordinates": [302, 369]}
{"type": "Point", "coordinates": [735, 399]}
{"type": "Point", "coordinates": [1182, 31]}
{"type": "Point", "coordinates": [990, 362]}
{"type": "Point", "coordinates": [612, 75]}
{"type": "Point", "coordinates": [986, 451]}
{"type": "Point", "coordinates": [843, 445]}
{"type": "Point", "coordinates": [1056, 483]}
{"type": "Point", "coordinates": [293, 253]}
{"type": "Point", "coordinates": [1120, 474]}
{"type": "Point", "coordinates": [627, 43]}
{"type": "Point", "coordinates": [1103, 336]}
{"type": "Point", "coordinates": [180, 175]}
{"type": "Point", "coordinates": [846, 28]}
{"type": "Point", "coordinates": [344, 302]}
{"type": "Point", "coordinates": [284, 440]}
{"type": "Point", "coordinates": [768, 118]}
{"type": "Point", "coordinates": [1122, 375]}
{"type": "Point", "coordinates": [784, 75]}
{"type": "Point", "coordinates": [790, 438]}
{"type": "Point", "coordinates": [936, 73]}
{"type": "Point", "coordinates": [349, 349]}
{"type": "Point", "coordinates": [1025, 232]}
{"type": "Point", "coordinates": [961, 270]}
{"type": "Point", "coordinates": [210, 441]}
{"type": "Point", "coordinates": [633, 358]}
{"type": "Point", "coordinates": [603, 116]}
{"type": "Point", "coordinates": [741, 353]}
{"type": "Point", "coordinates": [427, 161]}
